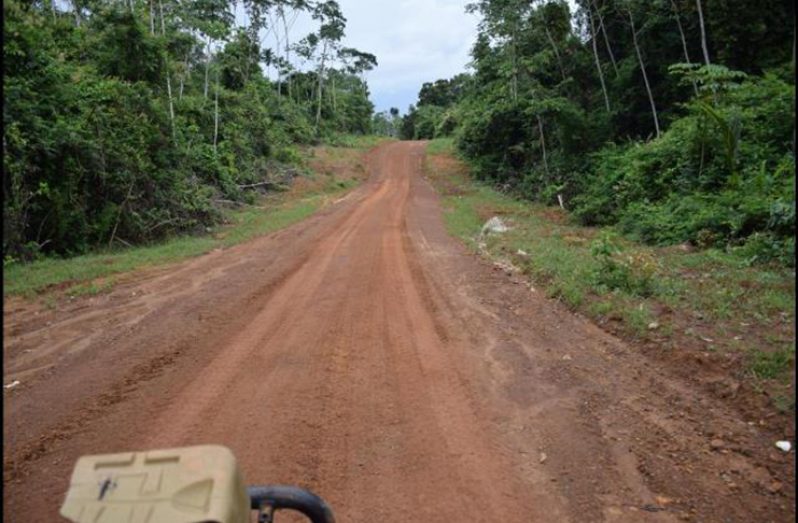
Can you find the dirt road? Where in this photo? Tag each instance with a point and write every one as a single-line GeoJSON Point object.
{"type": "Point", "coordinates": [365, 354]}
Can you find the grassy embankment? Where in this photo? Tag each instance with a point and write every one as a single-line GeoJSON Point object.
{"type": "Point", "coordinates": [705, 308]}
{"type": "Point", "coordinates": [330, 171]}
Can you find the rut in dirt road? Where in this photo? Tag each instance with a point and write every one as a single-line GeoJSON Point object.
{"type": "Point", "coordinates": [368, 356]}
{"type": "Point", "coordinates": [347, 373]}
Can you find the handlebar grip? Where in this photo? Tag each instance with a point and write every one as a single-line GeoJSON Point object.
{"type": "Point", "coordinates": [294, 498]}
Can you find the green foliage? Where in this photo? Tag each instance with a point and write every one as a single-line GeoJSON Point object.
{"type": "Point", "coordinates": [548, 115]}
{"type": "Point", "coordinates": [126, 125]}
{"type": "Point", "coordinates": [764, 248]}
{"type": "Point", "coordinates": [245, 224]}
{"type": "Point", "coordinates": [746, 309]}
{"type": "Point", "coordinates": [632, 273]}
{"type": "Point", "coordinates": [436, 115]}
{"type": "Point", "coordinates": [772, 364]}
{"type": "Point", "coordinates": [704, 181]}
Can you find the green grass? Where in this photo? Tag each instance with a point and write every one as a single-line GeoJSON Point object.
{"type": "Point", "coordinates": [91, 288]}
{"type": "Point", "coordinates": [243, 224]}
{"type": "Point", "coordinates": [356, 141]}
{"type": "Point", "coordinates": [711, 292]}
{"type": "Point", "coordinates": [462, 220]}
{"type": "Point", "coordinates": [784, 403]}
{"type": "Point", "coordinates": [440, 146]}
{"type": "Point", "coordinates": [638, 319]}
{"type": "Point", "coordinates": [772, 364]}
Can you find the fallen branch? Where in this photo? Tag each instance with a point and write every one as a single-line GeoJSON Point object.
{"type": "Point", "coordinates": [229, 202]}
{"type": "Point", "coordinates": [259, 184]}
{"type": "Point", "coordinates": [123, 242]}
{"type": "Point", "coordinates": [234, 203]}
{"type": "Point", "coordinates": [161, 224]}
{"type": "Point", "coordinates": [119, 214]}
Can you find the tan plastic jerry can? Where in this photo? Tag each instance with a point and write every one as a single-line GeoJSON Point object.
{"type": "Point", "coordinates": [190, 485]}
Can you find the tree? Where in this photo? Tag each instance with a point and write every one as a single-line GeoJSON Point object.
{"type": "Point", "coordinates": [330, 33]}
{"type": "Point", "coordinates": [111, 140]}
{"type": "Point", "coordinates": [643, 69]}
{"type": "Point", "coordinates": [593, 38]}
{"type": "Point", "coordinates": [534, 120]}
{"type": "Point", "coordinates": [683, 38]}
{"type": "Point", "coordinates": [704, 46]}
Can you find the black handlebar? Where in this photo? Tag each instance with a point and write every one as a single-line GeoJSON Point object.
{"type": "Point", "coordinates": [284, 497]}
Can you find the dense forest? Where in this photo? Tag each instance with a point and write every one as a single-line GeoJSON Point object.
{"type": "Point", "coordinates": [673, 120]}
{"type": "Point", "coordinates": [128, 120]}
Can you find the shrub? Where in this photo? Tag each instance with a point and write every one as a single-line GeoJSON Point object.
{"type": "Point", "coordinates": [632, 273]}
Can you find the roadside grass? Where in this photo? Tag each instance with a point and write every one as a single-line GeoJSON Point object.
{"type": "Point", "coordinates": [71, 274]}
{"type": "Point", "coordinates": [91, 274]}
{"type": "Point", "coordinates": [356, 141]}
{"type": "Point", "coordinates": [440, 146]}
{"type": "Point", "coordinates": [669, 299]}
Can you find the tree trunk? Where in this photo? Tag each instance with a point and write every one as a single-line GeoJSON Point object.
{"type": "Point", "coordinates": [169, 96]}
{"type": "Point", "coordinates": [152, 18]}
{"type": "Point", "coordinates": [332, 90]}
{"type": "Point", "coordinates": [514, 86]}
{"type": "Point", "coordinates": [78, 17]}
{"type": "Point", "coordinates": [216, 113]}
{"type": "Point", "coordinates": [684, 40]}
{"type": "Point", "coordinates": [320, 85]}
{"type": "Point", "coordinates": [287, 49]}
{"type": "Point", "coordinates": [596, 56]}
{"type": "Point", "coordinates": [556, 51]}
{"type": "Point", "coordinates": [278, 46]}
{"type": "Point", "coordinates": [186, 74]}
{"type": "Point", "coordinates": [207, 67]}
{"type": "Point", "coordinates": [645, 76]}
{"type": "Point", "coordinates": [168, 76]}
{"type": "Point", "coordinates": [703, 32]}
{"type": "Point", "coordinates": [603, 29]}
{"type": "Point", "coordinates": [543, 147]}
{"type": "Point", "coordinates": [119, 214]}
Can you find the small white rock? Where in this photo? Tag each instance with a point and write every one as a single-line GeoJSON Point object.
{"type": "Point", "coordinates": [567, 357]}
{"type": "Point", "coordinates": [522, 252]}
{"type": "Point", "coordinates": [16, 382]}
{"type": "Point", "coordinates": [653, 325]}
{"type": "Point", "coordinates": [784, 445]}
{"type": "Point", "coordinates": [494, 225]}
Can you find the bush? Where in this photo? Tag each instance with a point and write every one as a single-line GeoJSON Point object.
{"type": "Point", "coordinates": [764, 247]}
{"type": "Point", "coordinates": [631, 273]}
{"type": "Point", "coordinates": [711, 180]}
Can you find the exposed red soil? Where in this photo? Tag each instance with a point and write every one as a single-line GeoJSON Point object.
{"type": "Point", "coordinates": [365, 354]}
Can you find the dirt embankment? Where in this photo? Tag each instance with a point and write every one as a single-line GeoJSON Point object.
{"type": "Point", "coordinates": [366, 355]}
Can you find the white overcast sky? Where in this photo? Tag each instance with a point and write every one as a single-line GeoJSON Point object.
{"type": "Point", "coordinates": [415, 41]}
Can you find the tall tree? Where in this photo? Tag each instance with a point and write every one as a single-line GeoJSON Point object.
{"type": "Point", "coordinates": [642, 64]}
{"type": "Point", "coordinates": [331, 31]}
{"type": "Point", "coordinates": [704, 46]}
{"type": "Point", "coordinates": [603, 30]}
{"type": "Point", "coordinates": [593, 38]}
{"type": "Point", "coordinates": [683, 39]}
{"type": "Point", "coordinates": [168, 76]}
